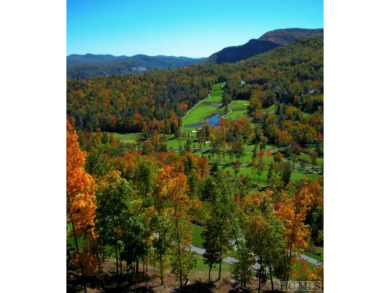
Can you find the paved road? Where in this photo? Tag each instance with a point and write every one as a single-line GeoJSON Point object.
{"type": "Point", "coordinates": [232, 260]}
{"type": "Point", "coordinates": [229, 260]}
{"type": "Point", "coordinates": [311, 260]}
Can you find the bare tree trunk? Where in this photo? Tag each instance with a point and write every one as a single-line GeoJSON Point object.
{"type": "Point", "coordinates": [98, 260]}
{"type": "Point", "coordinates": [161, 270]}
{"type": "Point", "coordinates": [116, 256]}
{"type": "Point", "coordinates": [180, 265]}
{"type": "Point", "coordinates": [289, 263]}
{"type": "Point", "coordinates": [78, 253]}
{"type": "Point", "coordinates": [95, 250]}
{"type": "Point", "coordinates": [210, 273]}
{"type": "Point", "coordinates": [270, 274]}
{"type": "Point", "coordinates": [219, 271]}
{"type": "Point", "coordinates": [178, 248]}
{"type": "Point", "coordinates": [103, 253]}
{"type": "Point", "coordinates": [120, 258]}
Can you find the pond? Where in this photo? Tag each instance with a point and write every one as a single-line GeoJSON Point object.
{"type": "Point", "coordinates": [197, 125]}
{"type": "Point", "coordinates": [212, 120]}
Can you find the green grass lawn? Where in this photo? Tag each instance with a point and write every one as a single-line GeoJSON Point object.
{"type": "Point", "coordinates": [203, 109]}
{"type": "Point", "coordinates": [239, 108]}
{"type": "Point", "coordinates": [216, 93]}
{"type": "Point", "coordinates": [244, 170]}
{"type": "Point", "coordinates": [127, 137]}
{"type": "Point", "coordinates": [296, 175]}
{"type": "Point", "coordinates": [199, 114]}
{"type": "Point", "coordinates": [225, 163]}
{"type": "Point", "coordinates": [187, 131]}
{"type": "Point", "coordinates": [270, 109]}
{"type": "Point", "coordinates": [173, 143]}
{"type": "Point", "coordinates": [201, 271]}
{"type": "Point", "coordinates": [201, 266]}
{"type": "Point", "coordinates": [196, 237]}
{"type": "Point", "coordinates": [109, 250]}
{"type": "Point", "coordinates": [306, 157]}
{"type": "Point", "coordinates": [71, 240]}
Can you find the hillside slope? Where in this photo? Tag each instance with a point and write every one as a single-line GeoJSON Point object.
{"type": "Point", "coordinates": [266, 42]}
{"type": "Point", "coordinates": [291, 74]}
{"type": "Point", "coordinates": [290, 35]}
{"type": "Point", "coordinates": [237, 53]}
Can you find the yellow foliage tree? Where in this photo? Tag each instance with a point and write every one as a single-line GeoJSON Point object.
{"type": "Point", "coordinates": [171, 197]}
{"type": "Point", "coordinates": [293, 211]}
{"type": "Point", "coordinates": [80, 198]}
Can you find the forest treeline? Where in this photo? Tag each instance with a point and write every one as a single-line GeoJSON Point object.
{"type": "Point", "coordinates": [89, 65]}
{"type": "Point", "coordinates": [292, 75]}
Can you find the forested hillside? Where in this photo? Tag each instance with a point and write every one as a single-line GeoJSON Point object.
{"type": "Point", "coordinates": [290, 35]}
{"type": "Point", "coordinates": [236, 53]}
{"type": "Point", "coordinates": [160, 194]}
{"type": "Point", "coordinates": [89, 65]}
{"type": "Point", "coordinates": [266, 42]}
{"type": "Point", "coordinates": [291, 75]}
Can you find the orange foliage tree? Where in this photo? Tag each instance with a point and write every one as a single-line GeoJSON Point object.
{"type": "Point", "coordinates": [293, 211]}
{"type": "Point", "coordinates": [172, 200]}
{"type": "Point", "coordinates": [81, 206]}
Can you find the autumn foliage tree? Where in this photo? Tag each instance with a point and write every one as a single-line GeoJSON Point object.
{"type": "Point", "coordinates": [242, 269]}
{"type": "Point", "coordinates": [81, 206]}
{"type": "Point", "coordinates": [113, 198]}
{"type": "Point", "coordinates": [218, 234]}
{"type": "Point", "coordinates": [147, 197]}
{"type": "Point", "coordinates": [171, 188]}
{"type": "Point", "coordinates": [293, 211]}
{"type": "Point", "coordinates": [265, 236]}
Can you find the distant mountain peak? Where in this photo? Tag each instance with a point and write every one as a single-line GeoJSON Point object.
{"type": "Point", "coordinates": [236, 53]}
{"type": "Point", "coordinates": [290, 35]}
{"type": "Point", "coordinates": [266, 42]}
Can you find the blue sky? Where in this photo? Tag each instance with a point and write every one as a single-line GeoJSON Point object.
{"type": "Point", "coordinates": [179, 28]}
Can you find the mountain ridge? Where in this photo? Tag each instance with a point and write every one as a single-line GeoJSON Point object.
{"type": "Point", "coordinates": [268, 41]}
{"type": "Point", "coordinates": [100, 65]}
{"type": "Point", "coordinates": [289, 35]}
{"type": "Point", "coordinates": [242, 52]}
{"type": "Point", "coordinates": [91, 65]}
